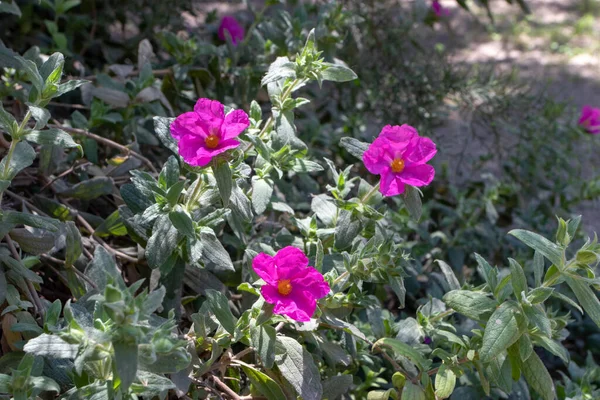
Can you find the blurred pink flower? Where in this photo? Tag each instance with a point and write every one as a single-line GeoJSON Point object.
{"type": "Point", "coordinates": [206, 132]}
{"type": "Point", "coordinates": [438, 9]}
{"type": "Point", "coordinates": [399, 155]}
{"type": "Point", "coordinates": [590, 120]}
{"type": "Point", "coordinates": [236, 31]}
{"type": "Point", "coordinates": [292, 285]}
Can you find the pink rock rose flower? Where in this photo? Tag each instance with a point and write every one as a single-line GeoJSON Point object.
{"type": "Point", "coordinates": [438, 9]}
{"type": "Point", "coordinates": [399, 155]}
{"type": "Point", "coordinates": [590, 120]}
{"type": "Point", "coordinates": [292, 285]}
{"type": "Point", "coordinates": [236, 31]}
{"type": "Point", "coordinates": [207, 132]}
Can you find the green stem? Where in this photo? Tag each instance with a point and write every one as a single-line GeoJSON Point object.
{"type": "Point", "coordinates": [195, 194]}
{"type": "Point", "coordinates": [11, 151]}
{"type": "Point", "coordinates": [370, 193]}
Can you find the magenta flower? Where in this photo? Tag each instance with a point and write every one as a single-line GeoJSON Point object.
{"type": "Point", "coordinates": [236, 31]}
{"type": "Point", "coordinates": [399, 155]}
{"type": "Point", "coordinates": [438, 9]}
{"type": "Point", "coordinates": [590, 120]}
{"type": "Point", "coordinates": [292, 285]}
{"type": "Point", "coordinates": [206, 132]}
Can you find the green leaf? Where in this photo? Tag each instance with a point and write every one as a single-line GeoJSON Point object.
{"type": "Point", "coordinates": [224, 181]}
{"type": "Point", "coordinates": [151, 384]}
{"type": "Point", "coordinates": [255, 111]}
{"type": "Point", "coordinates": [170, 172]}
{"type": "Point", "coordinates": [182, 222]}
{"type": "Point", "coordinates": [262, 338]}
{"type": "Point", "coordinates": [113, 97]}
{"type": "Point", "coordinates": [73, 244]}
{"type": "Point", "coordinates": [525, 347]}
{"type": "Point", "coordinates": [567, 300]}
{"type": "Point", "coordinates": [474, 305]}
{"type": "Point", "coordinates": [10, 8]}
{"type": "Point", "coordinates": [90, 189]}
{"type": "Point", "coordinates": [219, 305]}
{"type": "Point", "coordinates": [537, 376]}
{"type": "Point", "coordinates": [68, 86]}
{"type": "Point", "coordinates": [20, 269]}
{"type": "Point", "coordinates": [213, 251]}
{"type": "Point", "coordinates": [518, 279]}
{"type": "Point", "coordinates": [112, 225]}
{"type": "Point", "coordinates": [538, 268]}
{"type": "Point", "coordinates": [51, 346]}
{"type": "Point", "coordinates": [32, 72]}
{"type": "Point", "coordinates": [298, 367]}
{"type": "Point", "coordinates": [337, 73]}
{"type": "Point", "coordinates": [240, 203]}
{"type": "Point", "coordinates": [553, 347]}
{"type": "Point", "coordinates": [586, 297]}
{"type": "Point", "coordinates": [33, 243]}
{"type": "Point", "coordinates": [162, 243]}
{"type": "Point", "coordinates": [502, 331]}
{"type": "Point", "coordinates": [22, 158]}
{"type": "Point", "coordinates": [53, 136]}
{"type": "Point", "coordinates": [413, 392]}
{"type": "Point", "coordinates": [449, 274]}
{"type": "Point", "coordinates": [587, 257]}
{"type": "Point", "coordinates": [412, 201]}
{"type": "Point", "coordinates": [404, 350]}
{"type": "Point", "coordinates": [126, 360]}
{"type": "Point", "coordinates": [348, 228]}
{"type": "Point", "coordinates": [539, 295]}
{"type": "Point", "coordinates": [379, 394]}
{"type": "Point", "coordinates": [537, 242]}
{"type": "Point", "coordinates": [285, 132]}
{"type": "Point", "coordinates": [263, 383]}
{"type": "Point", "coordinates": [51, 70]}
{"type": "Point", "coordinates": [282, 67]}
{"type": "Point", "coordinates": [354, 146]}
{"type": "Point", "coordinates": [262, 191]}
{"type": "Point", "coordinates": [489, 274]}
{"type": "Point", "coordinates": [336, 386]}
{"type": "Point", "coordinates": [162, 128]}
{"type": "Point", "coordinates": [7, 122]}
{"type": "Point", "coordinates": [41, 115]}
{"type": "Point", "coordinates": [35, 221]}
{"type": "Point", "coordinates": [445, 381]}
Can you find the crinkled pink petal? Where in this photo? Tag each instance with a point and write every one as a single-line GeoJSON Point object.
{"type": "Point", "coordinates": [400, 135]}
{"type": "Point", "coordinates": [271, 295]}
{"type": "Point", "coordinates": [288, 260]}
{"type": "Point", "coordinates": [236, 31]}
{"type": "Point", "coordinates": [311, 280]}
{"type": "Point", "coordinates": [235, 123]}
{"type": "Point", "coordinates": [298, 305]}
{"type": "Point", "coordinates": [186, 124]}
{"type": "Point", "coordinates": [417, 175]}
{"type": "Point", "coordinates": [390, 185]}
{"type": "Point", "coordinates": [378, 156]}
{"type": "Point", "coordinates": [194, 151]}
{"type": "Point", "coordinates": [210, 115]}
{"type": "Point", "coordinates": [264, 266]}
{"type": "Point", "coordinates": [420, 151]}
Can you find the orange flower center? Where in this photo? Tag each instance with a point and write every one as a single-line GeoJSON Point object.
{"type": "Point", "coordinates": [397, 165]}
{"type": "Point", "coordinates": [212, 141]}
{"type": "Point", "coordinates": [284, 287]}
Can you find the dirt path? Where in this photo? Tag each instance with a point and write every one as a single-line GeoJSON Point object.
{"type": "Point", "coordinates": [556, 47]}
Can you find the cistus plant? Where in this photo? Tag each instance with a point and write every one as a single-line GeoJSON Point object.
{"type": "Point", "coordinates": [246, 267]}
